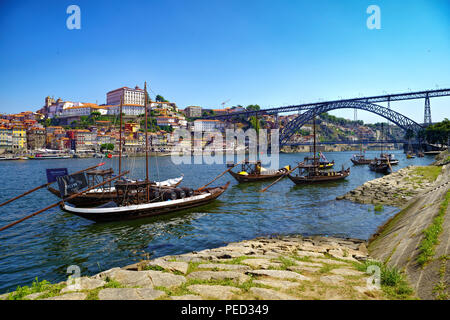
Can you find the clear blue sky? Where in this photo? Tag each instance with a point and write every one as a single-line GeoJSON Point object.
{"type": "Point", "coordinates": [193, 52]}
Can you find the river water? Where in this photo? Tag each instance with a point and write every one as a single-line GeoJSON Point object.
{"type": "Point", "coordinates": [45, 245]}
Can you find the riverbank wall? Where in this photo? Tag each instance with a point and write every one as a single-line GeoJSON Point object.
{"type": "Point", "coordinates": [421, 229]}
{"type": "Point", "coordinates": [417, 239]}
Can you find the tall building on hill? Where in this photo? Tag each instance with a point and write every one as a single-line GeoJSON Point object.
{"type": "Point", "coordinates": [130, 96]}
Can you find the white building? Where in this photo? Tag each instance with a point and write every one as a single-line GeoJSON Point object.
{"type": "Point", "coordinates": [82, 110]}
{"type": "Point", "coordinates": [130, 96]}
{"type": "Point", "coordinates": [128, 110]}
{"type": "Point", "coordinates": [208, 125]}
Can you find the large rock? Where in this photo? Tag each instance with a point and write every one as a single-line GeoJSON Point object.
{"type": "Point", "coordinates": [186, 297]}
{"type": "Point", "coordinates": [129, 294]}
{"type": "Point", "coordinates": [309, 254]}
{"type": "Point", "coordinates": [165, 279]}
{"type": "Point", "coordinates": [282, 284]}
{"type": "Point", "coordinates": [214, 291]}
{"type": "Point", "coordinates": [269, 294]}
{"type": "Point", "coordinates": [333, 280]}
{"type": "Point", "coordinates": [262, 263]}
{"type": "Point", "coordinates": [280, 274]}
{"type": "Point", "coordinates": [219, 275]}
{"type": "Point", "coordinates": [128, 278]}
{"type": "Point", "coordinates": [170, 265]}
{"type": "Point", "coordinates": [346, 272]}
{"type": "Point", "coordinates": [69, 296]}
{"type": "Point", "coordinates": [84, 283]}
{"type": "Point", "coordinates": [223, 266]}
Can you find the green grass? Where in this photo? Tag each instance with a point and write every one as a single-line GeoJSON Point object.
{"type": "Point", "coordinates": [154, 268]}
{"type": "Point", "coordinates": [378, 208]}
{"type": "Point", "coordinates": [440, 289]}
{"type": "Point", "coordinates": [392, 280]}
{"type": "Point", "coordinates": [431, 234]}
{"type": "Point", "coordinates": [47, 289]}
{"type": "Point", "coordinates": [426, 173]}
{"type": "Point", "coordinates": [286, 262]}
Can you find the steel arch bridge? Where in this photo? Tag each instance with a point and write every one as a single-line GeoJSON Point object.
{"type": "Point", "coordinates": [397, 118]}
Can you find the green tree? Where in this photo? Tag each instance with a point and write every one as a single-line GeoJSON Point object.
{"type": "Point", "coordinates": [160, 98]}
{"type": "Point", "coordinates": [107, 146]}
{"type": "Point", "coordinates": [255, 123]}
{"type": "Point", "coordinates": [253, 107]}
{"type": "Point", "coordinates": [438, 133]}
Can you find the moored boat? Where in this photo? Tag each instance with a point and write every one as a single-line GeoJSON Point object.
{"type": "Point", "coordinates": [107, 193]}
{"type": "Point", "coordinates": [360, 159]}
{"type": "Point", "coordinates": [114, 211]}
{"type": "Point", "coordinates": [310, 170]}
{"type": "Point", "coordinates": [309, 175]}
{"type": "Point", "coordinates": [379, 166]}
{"type": "Point", "coordinates": [253, 171]}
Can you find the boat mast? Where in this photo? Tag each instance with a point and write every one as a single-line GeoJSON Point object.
{"type": "Point", "coordinates": [146, 139]}
{"type": "Point", "coordinates": [120, 136]}
{"type": "Point", "coordinates": [314, 133]}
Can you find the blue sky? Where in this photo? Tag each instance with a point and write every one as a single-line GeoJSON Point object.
{"type": "Point", "coordinates": [200, 52]}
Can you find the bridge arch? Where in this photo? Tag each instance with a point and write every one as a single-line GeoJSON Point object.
{"type": "Point", "coordinates": [397, 118]}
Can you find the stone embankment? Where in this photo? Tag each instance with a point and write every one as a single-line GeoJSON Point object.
{"type": "Point", "coordinates": [399, 243]}
{"type": "Point", "coordinates": [394, 189]}
{"type": "Point", "coordinates": [289, 267]}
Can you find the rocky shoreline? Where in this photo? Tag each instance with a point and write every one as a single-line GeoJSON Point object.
{"type": "Point", "coordinates": [288, 267]}
{"type": "Point", "coordinates": [395, 189]}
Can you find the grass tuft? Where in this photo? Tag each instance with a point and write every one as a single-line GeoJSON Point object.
{"type": "Point", "coordinates": [431, 234]}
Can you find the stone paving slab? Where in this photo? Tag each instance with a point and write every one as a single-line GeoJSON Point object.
{"type": "Point", "coordinates": [219, 275]}
{"type": "Point", "coordinates": [269, 294]}
{"type": "Point", "coordinates": [214, 291]}
{"type": "Point", "coordinates": [69, 296]}
{"type": "Point", "coordinates": [129, 294]}
{"type": "Point", "coordinates": [280, 274]}
{"type": "Point", "coordinates": [223, 266]}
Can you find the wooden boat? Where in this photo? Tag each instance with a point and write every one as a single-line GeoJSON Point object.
{"type": "Point", "coordinates": [314, 175]}
{"type": "Point", "coordinates": [115, 211]}
{"type": "Point", "coordinates": [107, 192]}
{"type": "Point", "coordinates": [139, 199]}
{"type": "Point", "coordinates": [253, 171]}
{"type": "Point", "coordinates": [310, 170]}
{"type": "Point", "coordinates": [379, 166]}
{"type": "Point", "coordinates": [323, 164]}
{"type": "Point", "coordinates": [360, 159]}
{"type": "Point", "coordinates": [390, 156]}
{"type": "Point", "coordinates": [410, 155]}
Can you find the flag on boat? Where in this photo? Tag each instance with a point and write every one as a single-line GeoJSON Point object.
{"type": "Point", "coordinates": [70, 184]}
{"type": "Point", "coordinates": [53, 173]}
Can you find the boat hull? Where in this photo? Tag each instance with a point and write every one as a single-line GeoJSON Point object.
{"type": "Point", "coordinates": [92, 199]}
{"type": "Point", "coordinates": [254, 177]}
{"type": "Point", "coordinates": [319, 179]}
{"type": "Point", "coordinates": [361, 162]}
{"type": "Point", "coordinates": [146, 210]}
{"type": "Point", "coordinates": [380, 168]}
